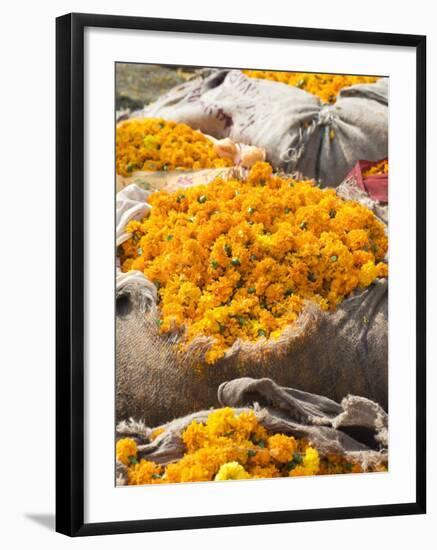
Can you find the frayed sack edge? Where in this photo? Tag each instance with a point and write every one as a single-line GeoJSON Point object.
{"type": "Point", "coordinates": [168, 447]}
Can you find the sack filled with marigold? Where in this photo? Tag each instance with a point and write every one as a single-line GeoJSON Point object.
{"type": "Point", "coordinates": [298, 129]}
{"type": "Point", "coordinates": [260, 276]}
{"type": "Point", "coordinates": [149, 150]}
{"type": "Point", "coordinates": [303, 437]}
{"type": "Point", "coordinates": [372, 177]}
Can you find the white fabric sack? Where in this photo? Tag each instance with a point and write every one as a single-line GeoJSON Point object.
{"type": "Point", "coordinates": [297, 131]}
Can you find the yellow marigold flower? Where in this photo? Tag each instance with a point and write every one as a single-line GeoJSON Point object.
{"type": "Point", "coordinates": [231, 470]}
{"type": "Point", "coordinates": [195, 436]}
{"type": "Point", "coordinates": [325, 86]}
{"type": "Point", "coordinates": [368, 274]}
{"type": "Point", "coordinates": [311, 459]}
{"type": "Point", "coordinates": [237, 260]}
{"type": "Point", "coordinates": [235, 446]}
{"type": "Point", "coordinates": [203, 464]}
{"type": "Point", "coordinates": [144, 472]}
{"type": "Point", "coordinates": [156, 144]}
{"type": "Point", "coordinates": [282, 447]}
{"type": "Point", "coordinates": [310, 464]}
{"type": "Point", "coordinates": [126, 449]}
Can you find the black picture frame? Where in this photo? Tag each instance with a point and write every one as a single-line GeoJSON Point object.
{"type": "Point", "coordinates": [70, 273]}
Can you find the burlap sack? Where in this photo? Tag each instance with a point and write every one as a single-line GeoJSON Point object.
{"type": "Point", "coordinates": [330, 354]}
{"type": "Point", "coordinates": [297, 131]}
{"type": "Point", "coordinates": [356, 427]}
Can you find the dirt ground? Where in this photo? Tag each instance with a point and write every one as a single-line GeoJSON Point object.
{"type": "Point", "coordinates": [137, 84]}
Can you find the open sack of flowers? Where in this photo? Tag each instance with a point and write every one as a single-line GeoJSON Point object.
{"type": "Point", "coordinates": [153, 153]}
{"type": "Point", "coordinates": [255, 275]}
{"type": "Point", "coordinates": [262, 431]}
{"type": "Point", "coordinates": [372, 177]}
{"type": "Point", "coordinates": [313, 127]}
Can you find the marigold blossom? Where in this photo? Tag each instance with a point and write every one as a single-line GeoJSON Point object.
{"type": "Point", "coordinates": [238, 259]}
{"type": "Point", "coordinates": [231, 470]}
{"type": "Point", "coordinates": [144, 472]}
{"type": "Point", "coordinates": [325, 86]}
{"type": "Point", "coordinates": [153, 144]}
{"type": "Point", "coordinates": [126, 450]}
{"type": "Point", "coordinates": [231, 445]}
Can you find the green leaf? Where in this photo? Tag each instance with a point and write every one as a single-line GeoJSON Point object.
{"type": "Point", "coordinates": [295, 461]}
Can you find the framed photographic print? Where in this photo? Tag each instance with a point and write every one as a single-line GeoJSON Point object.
{"type": "Point", "coordinates": [240, 274]}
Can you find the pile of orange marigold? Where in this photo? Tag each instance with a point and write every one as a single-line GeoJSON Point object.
{"type": "Point", "coordinates": [325, 86]}
{"type": "Point", "coordinates": [233, 446]}
{"type": "Point", "coordinates": [154, 144]}
{"type": "Point", "coordinates": [238, 259]}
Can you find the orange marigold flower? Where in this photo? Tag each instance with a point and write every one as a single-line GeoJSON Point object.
{"type": "Point", "coordinates": [154, 144]}
{"type": "Point", "coordinates": [282, 447]}
{"type": "Point", "coordinates": [263, 472]}
{"type": "Point", "coordinates": [231, 445]}
{"type": "Point", "coordinates": [325, 86]}
{"type": "Point", "coordinates": [144, 472]}
{"type": "Point", "coordinates": [236, 260]}
{"type": "Point", "coordinates": [126, 449]}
